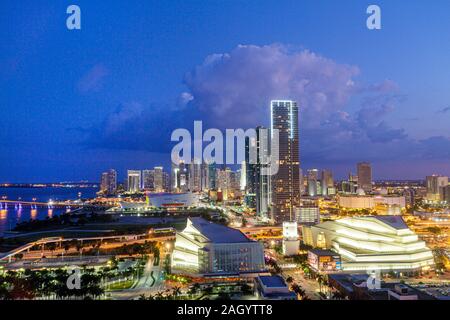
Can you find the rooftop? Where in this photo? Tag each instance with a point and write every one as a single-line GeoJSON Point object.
{"type": "Point", "coordinates": [320, 252]}
{"type": "Point", "coordinates": [395, 222]}
{"type": "Point", "coordinates": [272, 281]}
{"type": "Point", "coordinates": [218, 233]}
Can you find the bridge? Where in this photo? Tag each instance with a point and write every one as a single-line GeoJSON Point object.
{"type": "Point", "coordinates": [51, 204]}
{"type": "Point", "coordinates": [42, 242]}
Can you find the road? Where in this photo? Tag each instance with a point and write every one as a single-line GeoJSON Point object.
{"type": "Point", "coordinates": [23, 249]}
{"type": "Point", "coordinates": [310, 286]}
{"type": "Point", "coordinates": [150, 282]}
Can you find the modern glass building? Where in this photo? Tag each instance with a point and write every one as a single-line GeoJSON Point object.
{"type": "Point", "coordinates": [206, 248]}
{"type": "Point", "coordinates": [364, 170]}
{"type": "Point", "coordinates": [109, 182]}
{"type": "Point", "coordinates": [134, 180]}
{"type": "Point", "coordinates": [286, 183]}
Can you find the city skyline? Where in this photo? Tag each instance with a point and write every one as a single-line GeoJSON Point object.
{"type": "Point", "coordinates": [112, 93]}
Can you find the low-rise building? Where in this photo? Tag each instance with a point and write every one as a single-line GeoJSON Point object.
{"type": "Point", "coordinates": [382, 243]}
{"type": "Point", "coordinates": [324, 260]}
{"type": "Point", "coordinates": [308, 214]}
{"type": "Point", "coordinates": [354, 287]}
{"type": "Point", "coordinates": [273, 288]}
{"type": "Point", "coordinates": [370, 201]}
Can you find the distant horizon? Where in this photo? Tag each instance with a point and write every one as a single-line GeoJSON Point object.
{"type": "Point", "coordinates": [3, 183]}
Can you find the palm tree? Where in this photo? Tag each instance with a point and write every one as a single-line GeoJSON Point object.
{"type": "Point", "coordinates": [320, 280]}
{"type": "Point", "coordinates": [208, 290]}
{"type": "Point", "coordinates": [301, 292]}
{"type": "Point", "coordinates": [176, 291]}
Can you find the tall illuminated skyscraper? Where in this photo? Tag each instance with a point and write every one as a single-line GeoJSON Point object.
{"type": "Point", "coordinates": [435, 184]}
{"type": "Point", "coordinates": [313, 182]}
{"type": "Point", "coordinates": [212, 182]}
{"type": "Point", "coordinates": [326, 182]}
{"type": "Point", "coordinates": [148, 180]}
{"type": "Point", "coordinates": [286, 182]}
{"type": "Point", "coordinates": [195, 176]}
{"type": "Point", "coordinates": [262, 182]}
{"type": "Point", "coordinates": [159, 179]}
{"type": "Point", "coordinates": [134, 180]}
{"type": "Point", "coordinates": [109, 182]}
{"type": "Point", "coordinates": [365, 176]}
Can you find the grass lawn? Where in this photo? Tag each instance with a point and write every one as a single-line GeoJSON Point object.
{"type": "Point", "coordinates": [122, 285]}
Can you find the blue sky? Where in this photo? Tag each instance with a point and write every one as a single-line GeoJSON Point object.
{"type": "Point", "coordinates": [74, 103]}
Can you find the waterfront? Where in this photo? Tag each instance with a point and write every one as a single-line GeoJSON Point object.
{"type": "Point", "coordinates": [12, 215]}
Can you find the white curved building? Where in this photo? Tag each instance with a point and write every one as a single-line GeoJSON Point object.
{"type": "Point", "coordinates": [372, 243]}
{"type": "Point", "coordinates": [207, 248]}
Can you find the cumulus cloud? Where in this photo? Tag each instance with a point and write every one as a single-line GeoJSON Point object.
{"type": "Point", "coordinates": [248, 77]}
{"type": "Point", "coordinates": [233, 90]}
{"type": "Point", "coordinates": [92, 79]}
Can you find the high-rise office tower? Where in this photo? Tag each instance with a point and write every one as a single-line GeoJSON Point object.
{"type": "Point", "coordinates": [250, 168]}
{"type": "Point", "coordinates": [159, 179]}
{"type": "Point", "coordinates": [134, 180]}
{"type": "Point", "coordinates": [302, 182]}
{"type": "Point", "coordinates": [148, 180]}
{"type": "Point", "coordinates": [166, 181]}
{"type": "Point", "coordinates": [410, 197]}
{"type": "Point", "coordinates": [365, 176]}
{"type": "Point", "coordinates": [313, 182]}
{"type": "Point", "coordinates": [327, 182]}
{"type": "Point", "coordinates": [225, 182]}
{"type": "Point", "coordinates": [109, 182]}
{"type": "Point", "coordinates": [286, 182]}
{"type": "Point", "coordinates": [104, 182]}
{"type": "Point", "coordinates": [435, 183]}
{"type": "Point", "coordinates": [212, 183]}
{"type": "Point", "coordinates": [175, 178]}
{"type": "Point", "coordinates": [445, 194]}
{"type": "Point", "coordinates": [195, 176]}
{"type": "Point", "coordinates": [179, 177]}
{"type": "Point", "coordinates": [204, 174]}
{"type": "Point", "coordinates": [184, 177]}
{"type": "Point", "coordinates": [236, 180]}
{"type": "Point", "coordinates": [262, 182]}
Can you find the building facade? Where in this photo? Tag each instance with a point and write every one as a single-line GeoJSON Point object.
{"type": "Point", "coordinates": [206, 248]}
{"type": "Point", "coordinates": [133, 181]}
{"type": "Point", "coordinates": [148, 180]}
{"type": "Point", "coordinates": [435, 184]}
{"type": "Point", "coordinates": [308, 214]}
{"type": "Point", "coordinates": [286, 182]}
{"type": "Point", "coordinates": [109, 182]}
{"type": "Point", "coordinates": [313, 183]}
{"type": "Point", "coordinates": [327, 183]}
{"type": "Point", "coordinates": [364, 170]}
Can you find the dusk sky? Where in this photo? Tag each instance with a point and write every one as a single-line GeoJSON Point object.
{"type": "Point", "coordinates": [74, 103]}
